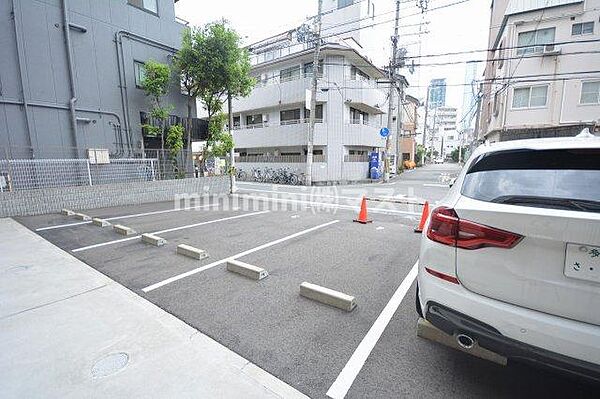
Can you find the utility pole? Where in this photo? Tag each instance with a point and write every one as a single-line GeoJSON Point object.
{"type": "Point", "coordinates": [313, 99]}
{"type": "Point", "coordinates": [392, 76]}
{"type": "Point", "coordinates": [425, 126]}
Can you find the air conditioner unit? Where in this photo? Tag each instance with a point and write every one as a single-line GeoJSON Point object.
{"type": "Point", "coordinates": [265, 118]}
{"type": "Point", "coordinates": [550, 49]}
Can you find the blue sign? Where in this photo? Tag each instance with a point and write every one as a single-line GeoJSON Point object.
{"type": "Point", "coordinates": [384, 132]}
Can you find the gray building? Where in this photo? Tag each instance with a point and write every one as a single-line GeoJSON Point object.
{"type": "Point", "coordinates": [70, 74]}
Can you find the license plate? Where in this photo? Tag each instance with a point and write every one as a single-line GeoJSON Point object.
{"type": "Point", "coordinates": [583, 262]}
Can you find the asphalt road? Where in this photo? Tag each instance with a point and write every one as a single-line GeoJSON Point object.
{"type": "Point", "coordinates": [298, 235]}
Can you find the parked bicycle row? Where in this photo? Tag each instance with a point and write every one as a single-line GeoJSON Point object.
{"type": "Point", "coordinates": [269, 175]}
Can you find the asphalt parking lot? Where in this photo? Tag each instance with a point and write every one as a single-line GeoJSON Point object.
{"type": "Point", "coordinates": [301, 235]}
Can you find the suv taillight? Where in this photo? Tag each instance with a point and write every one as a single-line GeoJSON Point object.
{"type": "Point", "coordinates": [447, 228]}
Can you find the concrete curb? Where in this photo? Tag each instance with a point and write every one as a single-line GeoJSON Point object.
{"type": "Point", "coordinates": [247, 270]}
{"type": "Point", "coordinates": [191, 252]}
{"type": "Point", "coordinates": [67, 212]}
{"type": "Point", "coordinates": [123, 230]}
{"type": "Point", "coordinates": [100, 222]}
{"type": "Point", "coordinates": [153, 240]}
{"type": "Point", "coordinates": [82, 216]}
{"type": "Point", "coordinates": [328, 296]}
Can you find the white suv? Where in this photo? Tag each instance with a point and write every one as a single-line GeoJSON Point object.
{"type": "Point", "coordinates": [510, 258]}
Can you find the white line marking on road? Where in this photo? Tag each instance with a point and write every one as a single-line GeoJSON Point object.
{"type": "Point", "coordinates": [103, 244]}
{"type": "Point", "coordinates": [345, 379]}
{"type": "Point", "coordinates": [435, 185]}
{"type": "Point", "coordinates": [327, 205]}
{"type": "Point", "coordinates": [236, 256]}
{"type": "Point", "coordinates": [63, 225]}
{"type": "Point", "coordinates": [314, 194]}
{"type": "Point", "coordinates": [126, 216]}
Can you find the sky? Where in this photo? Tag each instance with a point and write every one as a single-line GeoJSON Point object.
{"type": "Point", "coordinates": [459, 27]}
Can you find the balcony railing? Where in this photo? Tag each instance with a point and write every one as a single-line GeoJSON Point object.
{"type": "Point", "coordinates": [279, 158]}
{"type": "Point", "coordinates": [279, 80]}
{"type": "Point", "coordinates": [282, 123]}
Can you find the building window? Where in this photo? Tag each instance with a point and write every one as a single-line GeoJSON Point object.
{"type": "Point", "coordinates": [318, 114]}
{"type": "Point", "coordinates": [530, 97]}
{"type": "Point", "coordinates": [406, 156]}
{"type": "Point", "coordinates": [140, 73]}
{"type": "Point", "coordinates": [146, 5]}
{"type": "Point", "coordinates": [344, 3]}
{"type": "Point", "coordinates": [254, 119]}
{"type": "Point", "coordinates": [236, 121]}
{"type": "Point", "coordinates": [590, 92]}
{"type": "Point", "coordinates": [308, 69]}
{"type": "Point", "coordinates": [357, 74]}
{"type": "Point", "coordinates": [290, 116]}
{"type": "Point", "coordinates": [289, 73]}
{"type": "Point", "coordinates": [535, 41]}
{"type": "Point", "coordinates": [583, 28]}
{"type": "Point", "coordinates": [355, 116]}
{"type": "Point", "coordinates": [357, 152]}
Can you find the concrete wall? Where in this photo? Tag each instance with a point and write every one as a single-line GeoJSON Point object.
{"type": "Point", "coordinates": [45, 81]}
{"type": "Point", "coordinates": [51, 200]}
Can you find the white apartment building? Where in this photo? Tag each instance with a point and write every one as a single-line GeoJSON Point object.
{"type": "Point", "coordinates": [540, 81]}
{"type": "Point", "coordinates": [271, 124]}
{"type": "Point", "coordinates": [446, 136]}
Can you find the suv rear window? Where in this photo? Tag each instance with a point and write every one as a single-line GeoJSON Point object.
{"type": "Point", "coordinates": [559, 179]}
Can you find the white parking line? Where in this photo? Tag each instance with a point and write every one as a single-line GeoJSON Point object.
{"type": "Point", "coordinates": [435, 185]}
{"type": "Point", "coordinates": [314, 194]}
{"type": "Point", "coordinates": [135, 215]}
{"type": "Point", "coordinates": [327, 205]}
{"type": "Point", "coordinates": [343, 382]}
{"type": "Point", "coordinates": [239, 255]}
{"type": "Point", "coordinates": [189, 226]}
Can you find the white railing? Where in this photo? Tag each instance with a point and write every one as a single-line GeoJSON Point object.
{"type": "Point", "coordinates": [281, 123]}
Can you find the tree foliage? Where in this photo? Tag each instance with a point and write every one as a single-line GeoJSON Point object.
{"type": "Point", "coordinates": [156, 81]}
{"type": "Point", "coordinates": [213, 64]}
{"type": "Point", "coordinates": [220, 142]}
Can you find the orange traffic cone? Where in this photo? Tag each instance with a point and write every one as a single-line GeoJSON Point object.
{"type": "Point", "coordinates": [362, 215]}
{"type": "Point", "coordinates": [424, 215]}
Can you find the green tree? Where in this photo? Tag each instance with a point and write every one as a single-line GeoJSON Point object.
{"type": "Point", "coordinates": [155, 83]}
{"type": "Point", "coordinates": [214, 67]}
{"type": "Point", "coordinates": [174, 143]}
{"type": "Point", "coordinates": [220, 142]}
{"type": "Point", "coordinates": [454, 154]}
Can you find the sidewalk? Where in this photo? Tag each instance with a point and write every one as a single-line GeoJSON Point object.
{"type": "Point", "coordinates": [67, 331]}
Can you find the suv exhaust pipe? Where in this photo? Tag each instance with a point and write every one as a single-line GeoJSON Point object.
{"type": "Point", "coordinates": [465, 341]}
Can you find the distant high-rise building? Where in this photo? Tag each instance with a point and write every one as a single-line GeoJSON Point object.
{"type": "Point", "coordinates": [437, 93]}
{"type": "Point", "coordinates": [469, 101]}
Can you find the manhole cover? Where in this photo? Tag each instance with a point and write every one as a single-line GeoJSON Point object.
{"type": "Point", "coordinates": [110, 364]}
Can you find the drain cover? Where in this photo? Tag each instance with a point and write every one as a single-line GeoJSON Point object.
{"type": "Point", "coordinates": [110, 364]}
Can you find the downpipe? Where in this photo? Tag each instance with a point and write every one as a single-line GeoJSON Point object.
{"type": "Point", "coordinates": [73, 100]}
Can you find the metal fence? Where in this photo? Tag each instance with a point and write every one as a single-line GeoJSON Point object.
{"type": "Point", "coordinates": [30, 174]}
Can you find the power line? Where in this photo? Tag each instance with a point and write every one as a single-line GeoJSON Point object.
{"type": "Point", "coordinates": [502, 59]}
{"type": "Point", "coordinates": [373, 24]}
{"type": "Point", "coordinates": [503, 48]}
